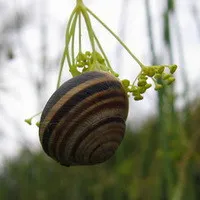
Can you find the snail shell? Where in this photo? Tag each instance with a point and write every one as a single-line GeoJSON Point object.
{"type": "Point", "coordinates": [83, 123]}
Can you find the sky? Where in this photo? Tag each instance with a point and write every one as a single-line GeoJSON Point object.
{"type": "Point", "coordinates": [18, 72]}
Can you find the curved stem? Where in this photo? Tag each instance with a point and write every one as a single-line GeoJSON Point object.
{"type": "Point", "coordinates": [137, 78]}
{"type": "Point", "coordinates": [72, 32]}
{"type": "Point", "coordinates": [61, 68]}
{"type": "Point", "coordinates": [65, 53]}
{"type": "Point", "coordinates": [117, 38]}
{"type": "Point", "coordinates": [89, 27]}
{"type": "Point", "coordinates": [80, 32]}
{"type": "Point", "coordinates": [36, 114]}
{"type": "Point", "coordinates": [103, 53]}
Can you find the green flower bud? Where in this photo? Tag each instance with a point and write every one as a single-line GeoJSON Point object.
{"type": "Point", "coordinates": [134, 90]}
{"type": "Point", "coordinates": [87, 53]}
{"type": "Point", "coordinates": [148, 85]}
{"type": "Point", "coordinates": [172, 68]}
{"type": "Point", "coordinates": [37, 124]}
{"type": "Point", "coordinates": [138, 97]}
{"type": "Point", "coordinates": [170, 80]}
{"type": "Point", "coordinates": [81, 57]}
{"type": "Point", "coordinates": [157, 76]}
{"type": "Point", "coordinates": [145, 70]}
{"type": "Point", "coordinates": [166, 76]}
{"type": "Point", "coordinates": [141, 90]}
{"type": "Point", "coordinates": [143, 77]}
{"type": "Point", "coordinates": [99, 57]}
{"type": "Point", "coordinates": [28, 121]}
{"type": "Point", "coordinates": [151, 71]}
{"type": "Point", "coordinates": [141, 82]}
{"type": "Point", "coordinates": [115, 74]}
{"type": "Point", "coordinates": [125, 83]}
{"type": "Point", "coordinates": [160, 69]}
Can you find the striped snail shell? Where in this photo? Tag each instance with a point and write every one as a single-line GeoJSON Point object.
{"type": "Point", "coordinates": [83, 123]}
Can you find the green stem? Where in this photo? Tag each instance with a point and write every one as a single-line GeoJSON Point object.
{"type": "Point", "coordinates": [103, 53]}
{"type": "Point", "coordinates": [65, 53]}
{"type": "Point", "coordinates": [61, 68]}
{"type": "Point", "coordinates": [80, 31]}
{"type": "Point", "coordinates": [79, 2]}
{"type": "Point", "coordinates": [72, 32]}
{"type": "Point", "coordinates": [89, 27]}
{"type": "Point", "coordinates": [137, 78]}
{"type": "Point", "coordinates": [36, 114]}
{"type": "Point", "coordinates": [117, 38]}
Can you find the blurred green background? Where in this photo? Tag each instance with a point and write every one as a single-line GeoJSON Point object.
{"type": "Point", "coordinates": [160, 160]}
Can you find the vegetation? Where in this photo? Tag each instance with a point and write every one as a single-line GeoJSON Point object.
{"type": "Point", "coordinates": [137, 171]}
{"type": "Point", "coordinates": [159, 161]}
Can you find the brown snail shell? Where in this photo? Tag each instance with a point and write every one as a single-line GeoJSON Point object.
{"type": "Point", "coordinates": [83, 123]}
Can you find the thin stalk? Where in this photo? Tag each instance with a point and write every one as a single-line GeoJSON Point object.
{"type": "Point", "coordinates": [89, 28]}
{"type": "Point", "coordinates": [65, 53]}
{"type": "Point", "coordinates": [80, 32]}
{"type": "Point", "coordinates": [117, 38]}
{"type": "Point", "coordinates": [71, 36]}
{"type": "Point", "coordinates": [102, 51]}
{"type": "Point", "coordinates": [73, 31]}
{"type": "Point", "coordinates": [72, 50]}
{"type": "Point", "coordinates": [61, 67]}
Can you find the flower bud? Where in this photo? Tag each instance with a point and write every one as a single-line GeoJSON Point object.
{"type": "Point", "coordinates": [141, 82]}
{"type": "Point", "coordinates": [170, 80]}
{"type": "Point", "coordinates": [172, 68]}
{"type": "Point", "coordinates": [157, 76]}
{"type": "Point", "coordinates": [141, 90]}
{"type": "Point", "coordinates": [151, 72]}
{"type": "Point", "coordinates": [138, 97]}
{"type": "Point", "coordinates": [160, 69]}
{"type": "Point", "coordinates": [166, 76]}
{"type": "Point", "coordinates": [125, 83]}
{"type": "Point", "coordinates": [148, 85]}
{"type": "Point", "coordinates": [28, 121]}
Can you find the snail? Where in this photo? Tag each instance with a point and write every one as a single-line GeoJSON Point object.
{"type": "Point", "coordinates": [84, 121]}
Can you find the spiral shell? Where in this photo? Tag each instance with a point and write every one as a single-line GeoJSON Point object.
{"type": "Point", "coordinates": [83, 123]}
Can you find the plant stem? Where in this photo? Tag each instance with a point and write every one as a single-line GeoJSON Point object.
{"type": "Point", "coordinates": [73, 31]}
{"type": "Point", "coordinates": [103, 53]}
{"type": "Point", "coordinates": [80, 31]}
{"type": "Point", "coordinates": [89, 28]}
{"type": "Point", "coordinates": [61, 68]}
{"type": "Point", "coordinates": [79, 2]}
{"type": "Point", "coordinates": [117, 38]}
{"type": "Point", "coordinates": [65, 53]}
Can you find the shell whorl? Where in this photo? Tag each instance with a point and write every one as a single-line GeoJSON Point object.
{"type": "Point", "coordinates": [83, 123]}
